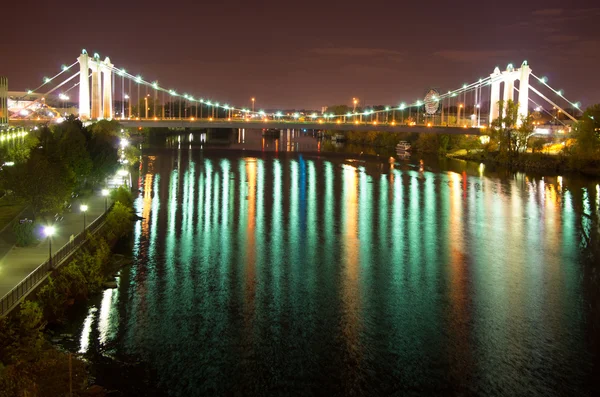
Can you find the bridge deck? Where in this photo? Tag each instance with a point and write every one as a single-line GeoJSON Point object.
{"type": "Point", "coordinates": [284, 125]}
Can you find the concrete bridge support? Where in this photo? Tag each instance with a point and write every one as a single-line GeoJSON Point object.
{"type": "Point", "coordinates": [84, 86]}
{"type": "Point", "coordinates": [96, 87]}
{"type": "Point", "coordinates": [508, 77]}
{"type": "Point", "coordinates": [101, 90]}
{"type": "Point", "coordinates": [107, 104]}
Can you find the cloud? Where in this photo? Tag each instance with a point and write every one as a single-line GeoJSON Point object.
{"type": "Point", "coordinates": [471, 56]}
{"type": "Point", "coordinates": [548, 12]}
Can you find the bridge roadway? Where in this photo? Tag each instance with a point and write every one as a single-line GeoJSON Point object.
{"type": "Point", "coordinates": [284, 125]}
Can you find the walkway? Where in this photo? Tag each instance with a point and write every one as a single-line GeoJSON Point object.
{"type": "Point", "coordinates": [18, 262]}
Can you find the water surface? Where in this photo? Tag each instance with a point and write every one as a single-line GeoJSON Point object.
{"type": "Point", "coordinates": [301, 273]}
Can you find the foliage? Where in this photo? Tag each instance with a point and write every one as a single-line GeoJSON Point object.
{"type": "Point", "coordinates": [52, 300]}
{"type": "Point", "coordinates": [587, 135]}
{"type": "Point", "coordinates": [132, 154]}
{"type": "Point", "coordinates": [24, 233]}
{"type": "Point", "coordinates": [102, 147]}
{"type": "Point", "coordinates": [119, 220]}
{"type": "Point", "coordinates": [339, 109]}
{"type": "Point", "coordinates": [44, 183]}
{"type": "Point", "coordinates": [84, 275]}
{"type": "Point", "coordinates": [16, 152]}
{"type": "Point", "coordinates": [374, 138]}
{"type": "Point", "coordinates": [29, 365]}
{"type": "Point", "coordinates": [508, 131]}
{"type": "Point", "coordinates": [21, 336]}
{"type": "Point", "coordinates": [122, 195]}
{"type": "Point", "coordinates": [72, 148]}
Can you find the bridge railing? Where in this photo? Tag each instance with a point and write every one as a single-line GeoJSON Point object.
{"type": "Point", "coordinates": [33, 279]}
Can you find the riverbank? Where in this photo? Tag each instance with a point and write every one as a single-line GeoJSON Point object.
{"type": "Point", "coordinates": [538, 162]}
{"type": "Point", "coordinates": [30, 363]}
{"type": "Point", "coordinates": [468, 148]}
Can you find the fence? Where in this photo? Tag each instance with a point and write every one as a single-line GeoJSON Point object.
{"type": "Point", "coordinates": [11, 299]}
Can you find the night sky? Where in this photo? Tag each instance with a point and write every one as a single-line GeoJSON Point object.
{"type": "Point", "coordinates": [312, 53]}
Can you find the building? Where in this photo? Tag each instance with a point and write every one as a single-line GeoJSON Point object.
{"type": "Point", "coordinates": [3, 102]}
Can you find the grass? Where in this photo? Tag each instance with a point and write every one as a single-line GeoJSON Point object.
{"type": "Point", "coordinates": [9, 209]}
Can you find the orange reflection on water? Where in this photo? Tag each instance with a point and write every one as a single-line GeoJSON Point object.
{"type": "Point", "coordinates": [350, 284]}
{"type": "Point", "coordinates": [147, 204]}
{"type": "Point", "coordinates": [251, 232]}
{"type": "Point", "coordinates": [459, 316]}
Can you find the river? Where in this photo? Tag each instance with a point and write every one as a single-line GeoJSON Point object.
{"type": "Point", "coordinates": [278, 272]}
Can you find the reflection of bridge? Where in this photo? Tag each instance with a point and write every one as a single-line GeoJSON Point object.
{"type": "Point", "coordinates": [285, 125]}
{"type": "Point", "coordinates": [108, 92]}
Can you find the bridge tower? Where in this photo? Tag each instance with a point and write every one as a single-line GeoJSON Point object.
{"type": "Point", "coordinates": [106, 68]}
{"type": "Point", "coordinates": [508, 77]}
{"type": "Point", "coordinates": [101, 90]}
{"type": "Point", "coordinates": [96, 87]}
{"type": "Point", "coordinates": [84, 86]}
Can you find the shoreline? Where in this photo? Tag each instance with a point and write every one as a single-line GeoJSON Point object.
{"type": "Point", "coordinates": [532, 162]}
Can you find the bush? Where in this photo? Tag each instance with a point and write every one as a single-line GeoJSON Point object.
{"type": "Point", "coordinates": [21, 335]}
{"type": "Point", "coordinates": [52, 300]}
{"type": "Point", "coordinates": [24, 233]}
{"type": "Point", "coordinates": [119, 220]}
{"type": "Point", "coordinates": [122, 195]}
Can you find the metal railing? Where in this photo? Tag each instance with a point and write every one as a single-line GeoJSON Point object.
{"type": "Point", "coordinates": [11, 299]}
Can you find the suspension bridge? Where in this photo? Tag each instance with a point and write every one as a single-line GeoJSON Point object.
{"type": "Point", "coordinates": [100, 90]}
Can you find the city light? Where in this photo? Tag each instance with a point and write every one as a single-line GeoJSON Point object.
{"type": "Point", "coordinates": [49, 231]}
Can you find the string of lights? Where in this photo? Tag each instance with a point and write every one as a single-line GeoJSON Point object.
{"type": "Point", "coordinates": [465, 88]}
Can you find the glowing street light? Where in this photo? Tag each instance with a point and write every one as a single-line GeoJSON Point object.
{"type": "Point", "coordinates": [83, 209]}
{"type": "Point", "coordinates": [49, 232]}
{"type": "Point", "coordinates": [253, 99]}
{"type": "Point", "coordinates": [105, 194]}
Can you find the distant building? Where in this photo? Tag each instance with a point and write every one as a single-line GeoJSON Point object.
{"type": "Point", "coordinates": [3, 102]}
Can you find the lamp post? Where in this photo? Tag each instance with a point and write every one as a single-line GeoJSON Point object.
{"type": "Point", "coordinates": [83, 209]}
{"type": "Point", "coordinates": [253, 99]}
{"type": "Point", "coordinates": [128, 106]}
{"type": "Point", "coordinates": [146, 103]}
{"type": "Point", "coordinates": [49, 232]}
{"type": "Point", "coordinates": [105, 194]}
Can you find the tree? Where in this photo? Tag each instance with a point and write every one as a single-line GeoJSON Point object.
{"type": "Point", "coordinates": [72, 150]}
{"type": "Point", "coordinates": [18, 152]}
{"type": "Point", "coordinates": [122, 195]}
{"type": "Point", "coordinates": [102, 147]}
{"type": "Point", "coordinates": [119, 220]}
{"type": "Point", "coordinates": [511, 135]}
{"type": "Point", "coordinates": [24, 232]}
{"type": "Point", "coordinates": [587, 134]}
{"type": "Point", "coordinates": [339, 109]}
{"type": "Point", "coordinates": [45, 184]}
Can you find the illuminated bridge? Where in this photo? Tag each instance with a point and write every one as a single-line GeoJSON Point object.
{"type": "Point", "coordinates": [105, 91]}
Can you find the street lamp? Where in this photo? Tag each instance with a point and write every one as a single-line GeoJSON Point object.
{"type": "Point", "coordinates": [146, 103]}
{"type": "Point", "coordinates": [83, 209]}
{"type": "Point", "coordinates": [105, 194]}
{"type": "Point", "coordinates": [128, 106]}
{"type": "Point", "coordinates": [253, 99]}
{"type": "Point", "coordinates": [49, 232]}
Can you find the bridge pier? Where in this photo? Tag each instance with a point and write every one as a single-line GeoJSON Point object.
{"type": "Point", "coordinates": [96, 86]}
{"type": "Point", "coordinates": [106, 68]}
{"type": "Point", "coordinates": [101, 90]}
{"type": "Point", "coordinates": [84, 86]}
{"type": "Point", "coordinates": [508, 77]}
{"type": "Point", "coordinates": [495, 95]}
